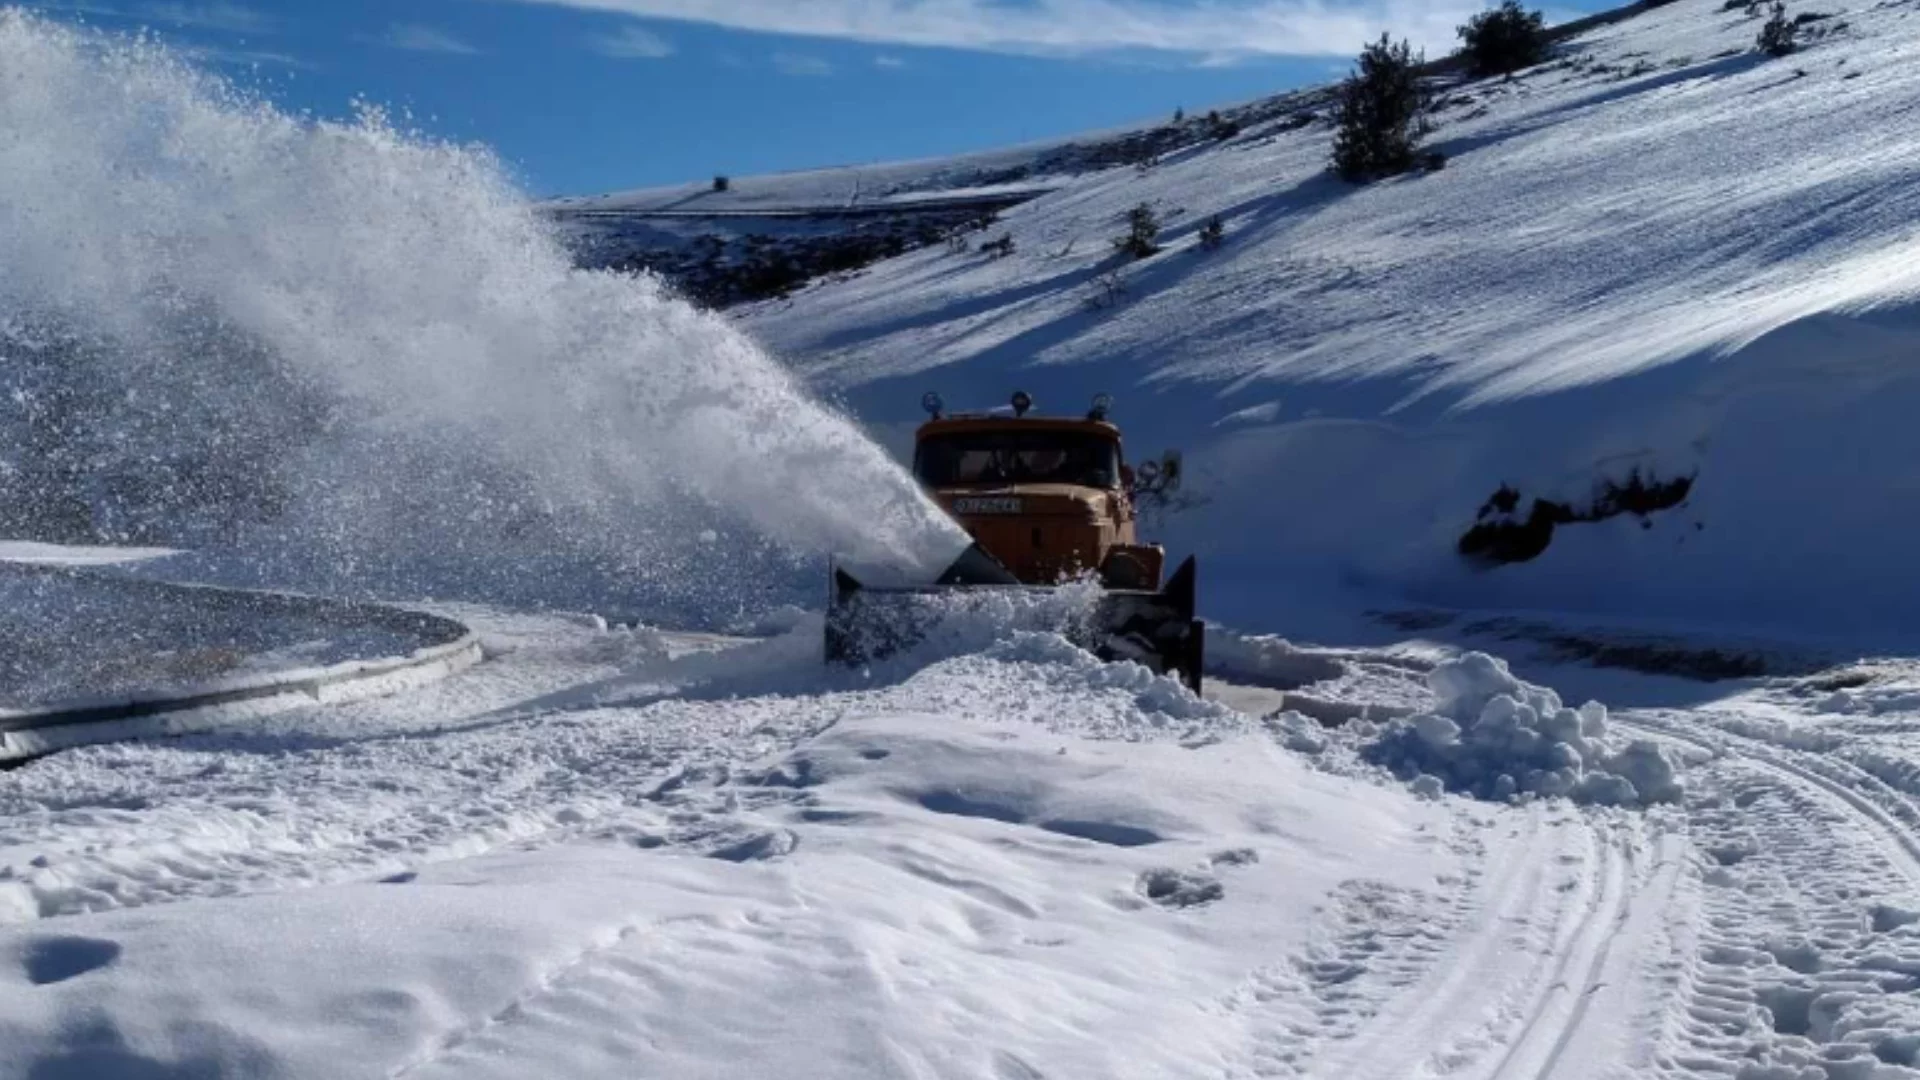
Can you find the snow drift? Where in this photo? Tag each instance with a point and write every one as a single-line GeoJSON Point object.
{"type": "Point", "coordinates": [1494, 737]}
{"type": "Point", "coordinates": [361, 350]}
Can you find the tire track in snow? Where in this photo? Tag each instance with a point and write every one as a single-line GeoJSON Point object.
{"type": "Point", "coordinates": [1899, 846]}
{"type": "Point", "coordinates": [1800, 970]}
{"type": "Point", "coordinates": [1561, 1002]}
{"type": "Point", "coordinates": [1398, 1039]}
{"type": "Point", "coordinates": [1376, 943]}
{"type": "Point", "coordinates": [1510, 994]}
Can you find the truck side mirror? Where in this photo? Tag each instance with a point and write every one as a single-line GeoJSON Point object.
{"type": "Point", "coordinates": [1126, 477]}
{"type": "Point", "coordinates": [1170, 469]}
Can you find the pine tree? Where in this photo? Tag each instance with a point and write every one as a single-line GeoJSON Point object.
{"type": "Point", "coordinates": [1381, 114]}
{"type": "Point", "coordinates": [1143, 233]}
{"type": "Point", "coordinates": [1502, 40]}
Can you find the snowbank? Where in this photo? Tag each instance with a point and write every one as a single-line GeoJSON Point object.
{"type": "Point", "coordinates": [72, 639]}
{"type": "Point", "coordinates": [86, 657]}
{"type": "Point", "coordinates": [1267, 660]}
{"type": "Point", "coordinates": [1494, 737]}
{"type": "Point", "coordinates": [39, 554]}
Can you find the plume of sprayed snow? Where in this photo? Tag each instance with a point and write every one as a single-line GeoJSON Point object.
{"type": "Point", "coordinates": [464, 390]}
{"type": "Point", "coordinates": [1494, 737]}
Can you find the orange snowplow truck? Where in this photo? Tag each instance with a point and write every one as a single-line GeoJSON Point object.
{"type": "Point", "coordinates": [1047, 500]}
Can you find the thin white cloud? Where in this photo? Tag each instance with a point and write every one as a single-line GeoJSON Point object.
{"type": "Point", "coordinates": [632, 43]}
{"type": "Point", "coordinates": [224, 17]}
{"type": "Point", "coordinates": [208, 54]}
{"type": "Point", "coordinates": [801, 64]}
{"type": "Point", "coordinates": [1073, 27]}
{"type": "Point", "coordinates": [1217, 60]}
{"type": "Point", "coordinates": [416, 37]}
{"type": "Point", "coordinates": [889, 62]}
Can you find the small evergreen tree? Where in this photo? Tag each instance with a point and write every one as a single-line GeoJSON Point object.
{"type": "Point", "coordinates": [1381, 114]}
{"type": "Point", "coordinates": [1504, 39]}
{"type": "Point", "coordinates": [1180, 116]}
{"type": "Point", "coordinates": [1213, 234]}
{"type": "Point", "coordinates": [1779, 36]}
{"type": "Point", "coordinates": [721, 183]}
{"type": "Point", "coordinates": [1143, 233]}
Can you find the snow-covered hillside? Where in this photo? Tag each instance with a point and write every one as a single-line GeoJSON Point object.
{"type": "Point", "coordinates": [1659, 252]}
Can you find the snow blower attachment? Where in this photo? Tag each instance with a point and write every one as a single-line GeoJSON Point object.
{"type": "Point", "coordinates": [1047, 500]}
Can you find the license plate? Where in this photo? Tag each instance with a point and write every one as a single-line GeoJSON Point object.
{"type": "Point", "coordinates": [977, 505]}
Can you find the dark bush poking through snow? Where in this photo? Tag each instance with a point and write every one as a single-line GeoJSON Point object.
{"type": "Point", "coordinates": [1494, 737]}
{"type": "Point", "coordinates": [1212, 234]}
{"type": "Point", "coordinates": [1779, 36]}
{"type": "Point", "coordinates": [1500, 535]}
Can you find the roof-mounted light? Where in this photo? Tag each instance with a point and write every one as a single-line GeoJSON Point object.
{"type": "Point", "coordinates": [1022, 401]}
{"type": "Point", "coordinates": [931, 402]}
{"type": "Point", "coordinates": [1102, 405]}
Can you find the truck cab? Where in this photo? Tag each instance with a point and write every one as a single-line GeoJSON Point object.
{"type": "Point", "coordinates": [1049, 497]}
{"type": "Point", "coordinates": [1046, 499]}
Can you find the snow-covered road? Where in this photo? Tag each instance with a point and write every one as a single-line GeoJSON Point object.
{"type": "Point", "coordinates": [611, 853]}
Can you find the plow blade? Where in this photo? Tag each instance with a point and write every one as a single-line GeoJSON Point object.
{"type": "Point", "coordinates": [1154, 628]}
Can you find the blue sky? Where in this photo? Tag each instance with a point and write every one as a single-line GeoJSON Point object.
{"type": "Point", "coordinates": [582, 96]}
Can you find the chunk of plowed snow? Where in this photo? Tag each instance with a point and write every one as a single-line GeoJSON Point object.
{"type": "Point", "coordinates": [1494, 737]}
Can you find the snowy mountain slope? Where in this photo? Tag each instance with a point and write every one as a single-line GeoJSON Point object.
{"type": "Point", "coordinates": [1658, 250]}
{"type": "Point", "coordinates": [1659, 191]}
{"type": "Point", "coordinates": [727, 242]}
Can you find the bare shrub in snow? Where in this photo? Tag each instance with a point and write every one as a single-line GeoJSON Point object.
{"type": "Point", "coordinates": [1779, 35]}
{"type": "Point", "coordinates": [1107, 291]}
{"type": "Point", "coordinates": [1143, 233]}
{"type": "Point", "coordinates": [1381, 114]}
{"type": "Point", "coordinates": [1504, 39]}
{"type": "Point", "coordinates": [999, 248]}
{"type": "Point", "coordinates": [1212, 234]}
{"type": "Point", "coordinates": [1494, 737]}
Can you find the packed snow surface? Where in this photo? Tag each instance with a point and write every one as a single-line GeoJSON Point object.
{"type": "Point", "coordinates": [605, 852]}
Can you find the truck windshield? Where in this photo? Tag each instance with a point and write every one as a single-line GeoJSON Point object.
{"type": "Point", "coordinates": [1017, 457]}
